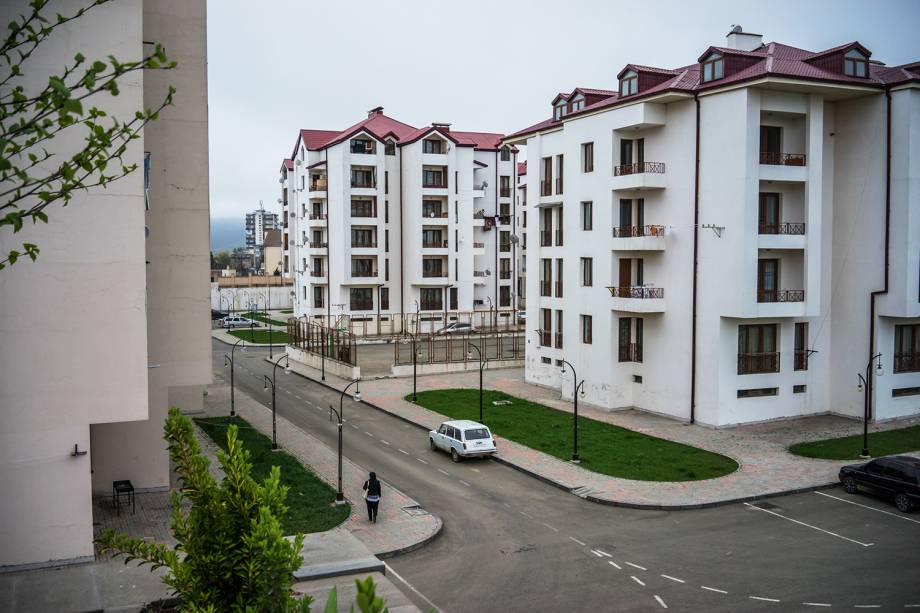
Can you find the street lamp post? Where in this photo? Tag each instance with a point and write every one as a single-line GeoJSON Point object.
{"type": "Point", "coordinates": [267, 381]}
{"type": "Point", "coordinates": [415, 354]}
{"type": "Point", "coordinates": [577, 385]}
{"type": "Point", "coordinates": [865, 386]}
{"type": "Point", "coordinates": [322, 349]}
{"type": "Point", "coordinates": [339, 495]}
{"type": "Point", "coordinates": [491, 321]}
{"type": "Point", "coordinates": [482, 365]}
{"type": "Point", "coordinates": [356, 397]}
{"type": "Point", "coordinates": [228, 361]}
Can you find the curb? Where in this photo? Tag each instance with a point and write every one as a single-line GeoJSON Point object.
{"type": "Point", "coordinates": [253, 345]}
{"type": "Point", "coordinates": [325, 571]}
{"type": "Point", "coordinates": [386, 555]}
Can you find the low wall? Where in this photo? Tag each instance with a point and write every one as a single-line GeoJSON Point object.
{"type": "Point", "coordinates": [315, 361]}
{"type": "Point", "coordinates": [405, 370]}
{"type": "Point", "coordinates": [250, 298]}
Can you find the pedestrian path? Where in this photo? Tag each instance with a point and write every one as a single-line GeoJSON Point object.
{"type": "Point", "coordinates": [766, 467]}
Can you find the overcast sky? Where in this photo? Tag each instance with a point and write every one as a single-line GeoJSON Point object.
{"type": "Point", "coordinates": [277, 66]}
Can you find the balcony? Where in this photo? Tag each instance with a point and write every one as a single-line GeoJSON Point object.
{"type": "Point", "coordinates": [504, 192]}
{"type": "Point", "coordinates": [479, 191]}
{"type": "Point", "coordinates": [630, 352]}
{"type": "Point", "coordinates": [504, 274]}
{"type": "Point", "coordinates": [317, 273]}
{"type": "Point", "coordinates": [504, 220]}
{"type": "Point", "coordinates": [434, 244]}
{"type": "Point", "coordinates": [364, 184]}
{"type": "Point", "coordinates": [318, 185]}
{"type": "Point", "coordinates": [435, 184]}
{"type": "Point", "coordinates": [781, 236]}
{"type": "Point", "coordinates": [639, 238]}
{"type": "Point", "coordinates": [639, 176]}
{"type": "Point", "coordinates": [364, 244]}
{"type": "Point", "coordinates": [504, 247]}
{"type": "Point", "coordinates": [638, 299]}
{"type": "Point", "coordinates": [782, 228]}
{"type": "Point", "coordinates": [546, 288]}
{"type": "Point", "coordinates": [546, 238]}
{"type": "Point", "coordinates": [434, 214]}
{"type": "Point", "coordinates": [546, 188]}
{"type": "Point", "coordinates": [781, 295]}
{"type": "Point", "coordinates": [783, 167]}
{"type": "Point", "coordinates": [317, 219]}
{"type": "Point", "coordinates": [479, 245]}
{"type": "Point", "coordinates": [755, 363]}
{"type": "Point", "coordinates": [434, 274]}
{"type": "Point", "coordinates": [362, 273]}
{"type": "Point", "coordinates": [317, 244]}
{"type": "Point", "coordinates": [559, 185]}
{"type": "Point", "coordinates": [906, 362]}
{"type": "Point", "coordinates": [782, 159]}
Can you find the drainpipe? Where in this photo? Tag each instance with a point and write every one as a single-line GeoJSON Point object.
{"type": "Point", "coordinates": [402, 261]}
{"type": "Point", "coordinates": [328, 247]}
{"type": "Point", "coordinates": [873, 295]}
{"type": "Point", "coordinates": [514, 220]}
{"type": "Point", "coordinates": [497, 233]}
{"type": "Point", "coordinates": [696, 247]}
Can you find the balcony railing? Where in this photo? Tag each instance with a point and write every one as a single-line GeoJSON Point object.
{"type": "Point", "coordinates": [504, 247]}
{"type": "Point", "coordinates": [559, 238]}
{"type": "Point", "coordinates": [781, 295]}
{"type": "Point", "coordinates": [364, 244]}
{"type": "Point", "coordinates": [546, 338]}
{"type": "Point", "coordinates": [369, 184]}
{"type": "Point", "coordinates": [546, 188]}
{"type": "Point", "coordinates": [437, 244]}
{"type": "Point", "coordinates": [318, 186]}
{"type": "Point", "coordinates": [433, 274]}
{"type": "Point", "coordinates": [906, 362]}
{"type": "Point", "coordinates": [434, 214]}
{"type": "Point", "coordinates": [558, 289]}
{"type": "Point", "coordinates": [635, 231]}
{"type": "Point", "coordinates": [317, 273]}
{"type": "Point", "coordinates": [436, 184]}
{"type": "Point", "coordinates": [480, 273]}
{"type": "Point", "coordinates": [630, 352]}
{"type": "Point", "coordinates": [639, 167]}
{"type": "Point", "coordinates": [636, 291]}
{"type": "Point", "coordinates": [504, 192]}
{"type": "Point", "coordinates": [558, 340]}
{"type": "Point", "coordinates": [546, 288]}
{"type": "Point", "coordinates": [317, 245]}
{"type": "Point", "coordinates": [782, 228]}
{"type": "Point", "coordinates": [363, 212]}
{"type": "Point", "coordinates": [504, 274]}
{"type": "Point", "coordinates": [479, 245]}
{"type": "Point", "coordinates": [800, 360]}
{"type": "Point", "coordinates": [504, 219]}
{"type": "Point", "coordinates": [753, 363]}
{"type": "Point", "coordinates": [782, 159]}
{"type": "Point", "coordinates": [363, 273]}
{"type": "Point", "coordinates": [546, 238]}
{"type": "Point", "coordinates": [559, 185]}
{"type": "Point", "coordinates": [315, 216]}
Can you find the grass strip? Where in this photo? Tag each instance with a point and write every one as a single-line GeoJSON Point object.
{"type": "Point", "coordinates": [261, 336]}
{"type": "Point", "coordinates": [888, 442]}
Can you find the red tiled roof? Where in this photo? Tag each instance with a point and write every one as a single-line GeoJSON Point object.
{"type": "Point", "coordinates": [288, 163]}
{"type": "Point", "coordinates": [589, 91]}
{"type": "Point", "coordinates": [313, 139]}
{"type": "Point", "coordinates": [484, 141]}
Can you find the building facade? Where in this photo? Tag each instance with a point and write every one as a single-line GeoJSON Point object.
{"type": "Point", "coordinates": [78, 411]}
{"type": "Point", "coordinates": [257, 223]}
{"type": "Point", "coordinates": [732, 240]}
{"type": "Point", "coordinates": [386, 218]}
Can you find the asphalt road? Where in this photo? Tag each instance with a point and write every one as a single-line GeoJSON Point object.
{"type": "Point", "coordinates": [511, 543]}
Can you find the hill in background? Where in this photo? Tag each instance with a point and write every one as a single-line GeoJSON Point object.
{"type": "Point", "coordinates": [227, 233]}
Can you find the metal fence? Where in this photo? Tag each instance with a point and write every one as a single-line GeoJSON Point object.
{"type": "Point", "coordinates": [335, 344]}
{"type": "Point", "coordinates": [372, 325]}
{"type": "Point", "coordinates": [443, 349]}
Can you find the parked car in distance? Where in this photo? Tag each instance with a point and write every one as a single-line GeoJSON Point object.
{"type": "Point", "coordinates": [458, 328]}
{"type": "Point", "coordinates": [522, 317]}
{"type": "Point", "coordinates": [235, 321]}
{"type": "Point", "coordinates": [216, 315]}
{"type": "Point", "coordinates": [896, 477]}
{"type": "Point", "coordinates": [462, 439]}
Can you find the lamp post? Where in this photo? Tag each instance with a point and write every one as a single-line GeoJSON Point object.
{"type": "Point", "coordinates": [482, 365]}
{"type": "Point", "coordinates": [266, 382]}
{"type": "Point", "coordinates": [865, 386]}
{"type": "Point", "coordinates": [491, 321]}
{"type": "Point", "coordinates": [339, 495]}
{"type": "Point", "coordinates": [229, 306]}
{"type": "Point", "coordinates": [228, 361]}
{"type": "Point", "coordinates": [322, 349]}
{"type": "Point", "coordinates": [356, 397]}
{"type": "Point", "coordinates": [415, 355]}
{"type": "Point", "coordinates": [577, 384]}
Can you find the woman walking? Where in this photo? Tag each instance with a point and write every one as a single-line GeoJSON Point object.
{"type": "Point", "coordinates": [372, 496]}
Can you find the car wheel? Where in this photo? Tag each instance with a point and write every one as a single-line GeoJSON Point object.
{"type": "Point", "coordinates": [902, 502]}
{"type": "Point", "coordinates": [849, 484]}
{"type": "Point", "coordinates": [432, 445]}
{"type": "Point", "coordinates": [454, 455]}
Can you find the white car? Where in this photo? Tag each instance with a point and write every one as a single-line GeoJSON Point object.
{"type": "Point", "coordinates": [458, 328]}
{"type": "Point", "coordinates": [235, 321]}
{"type": "Point", "coordinates": [462, 439]}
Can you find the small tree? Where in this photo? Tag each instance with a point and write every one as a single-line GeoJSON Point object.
{"type": "Point", "coordinates": [31, 176]}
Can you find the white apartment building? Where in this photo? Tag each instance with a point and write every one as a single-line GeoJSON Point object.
{"type": "Point", "coordinates": [520, 225]}
{"type": "Point", "coordinates": [107, 329]}
{"type": "Point", "coordinates": [386, 218]}
{"type": "Point", "coordinates": [257, 223]}
{"type": "Point", "coordinates": [287, 167]}
{"type": "Point", "coordinates": [732, 240]}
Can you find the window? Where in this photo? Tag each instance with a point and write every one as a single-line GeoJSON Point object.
{"type": "Point", "coordinates": [769, 213]}
{"type": "Point", "coordinates": [362, 267]}
{"type": "Point", "coordinates": [629, 84]}
{"type": "Point", "coordinates": [504, 296]}
{"type": "Point", "coordinates": [855, 64]}
{"type": "Point", "coordinates": [362, 145]}
{"type": "Point", "coordinates": [430, 299]}
{"type": "Point", "coordinates": [907, 348]}
{"type": "Point", "coordinates": [432, 146]}
{"type": "Point", "coordinates": [506, 154]}
{"type": "Point", "coordinates": [546, 276]}
{"type": "Point", "coordinates": [799, 389]}
{"type": "Point", "coordinates": [385, 296]}
{"type": "Point", "coordinates": [757, 349]}
{"type": "Point", "coordinates": [546, 317]}
{"type": "Point", "coordinates": [905, 391]}
{"type": "Point", "coordinates": [453, 298]}
{"type": "Point", "coordinates": [386, 269]}
{"type": "Point", "coordinates": [386, 241]}
{"type": "Point", "coordinates": [558, 277]}
{"type": "Point", "coordinates": [431, 238]}
{"type": "Point", "coordinates": [586, 329]}
{"type": "Point", "coordinates": [712, 67]}
{"type": "Point", "coordinates": [504, 268]}
{"type": "Point", "coordinates": [504, 183]}
{"type": "Point", "coordinates": [559, 167]}
{"type": "Point", "coordinates": [361, 298]}
{"type": "Point", "coordinates": [433, 267]}
{"type": "Point", "coordinates": [587, 215]}
{"type": "Point", "coordinates": [433, 177]}
{"type": "Point", "coordinates": [587, 157]}
{"type": "Point", "coordinates": [630, 339]}
{"type": "Point", "coordinates": [363, 207]}
{"type": "Point", "coordinates": [767, 280]}
{"type": "Point", "coordinates": [389, 148]}
{"type": "Point", "coordinates": [386, 182]}
{"type": "Point", "coordinates": [758, 392]}
{"type": "Point", "coordinates": [432, 208]}
{"type": "Point", "coordinates": [362, 177]}
{"type": "Point", "coordinates": [558, 329]}
{"type": "Point", "coordinates": [504, 241]}
{"type": "Point", "coordinates": [317, 297]}
{"type": "Point", "coordinates": [587, 272]}
{"type": "Point", "coordinates": [637, 378]}
{"type": "Point", "coordinates": [386, 209]}
{"type": "Point", "coordinates": [801, 346]}
{"type": "Point", "coordinates": [557, 113]}
{"type": "Point", "coordinates": [362, 237]}
{"type": "Point", "coordinates": [545, 360]}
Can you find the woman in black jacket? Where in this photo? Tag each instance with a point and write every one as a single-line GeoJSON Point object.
{"type": "Point", "coordinates": [372, 496]}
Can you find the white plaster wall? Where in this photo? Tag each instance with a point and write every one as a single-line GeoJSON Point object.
{"type": "Point", "coordinates": [240, 298]}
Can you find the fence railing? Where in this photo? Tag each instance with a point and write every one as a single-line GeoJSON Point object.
{"type": "Point", "coordinates": [374, 325]}
{"type": "Point", "coordinates": [782, 159]}
{"type": "Point", "coordinates": [632, 169]}
{"type": "Point", "coordinates": [782, 228]}
{"type": "Point", "coordinates": [333, 343]}
{"type": "Point", "coordinates": [636, 291]}
{"type": "Point", "coordinates": [444, 349]}
{"type": "Point", "coordinates": [751, 363]}
{"type": "Point", "coordinates": [781, 295]}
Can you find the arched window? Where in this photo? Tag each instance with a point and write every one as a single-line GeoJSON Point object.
{"type": "Point", "coordinates": [855, 64]}
{"type": "Point", "coordinates": [506, 154]}
{"type": "Point", "coordinates": [629, 84]}
{"type": "Point", "coordinates": [712, 67]}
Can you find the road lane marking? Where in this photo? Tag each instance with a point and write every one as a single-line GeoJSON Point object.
{"type": "Point", "coordinates": [815, 604]}
{"type": "Point", "coordinates": [528, 515]}
{"type": "Point", "coordinates": [475, 470]}
{"type": "Point", "coordinates": [551, 528]}
{"type": "Point", "coordinates": [506, 504]}
{"type": "Point", "coordinates": [421, 460]}
{"type": "Point", "coordinates": [865, 506]}
{"type": "Point", "coordinates": [403, 451]}
{"type": "Point", "coordinates": [867, 606]}
{"type": "Point", "coordinates": [763, 599]}
{"type": "Point", "coordinates": [660, 601]}
{"type": "Point", "coordinates": [384, 442]}
{"type": "Point", "coordinates": [577, 541]}
{"type": "Point", "coordinates": [597, 553]}
{"type": "Point", "coordinates": [636, 566]}
{"type": "Point", "coordinates": [801, 523]}
{"type": "Point", "coordinates": [614, 564]}
{"type": "Point", "coordinates": [464, 483]}
{"type": "Point", "coordinates": [354, 426]}
{"type": "Point", "coordinates": [390, 571]}
{"type": "Point", "coordinates": [673, 578]}
{"type": "Point", "coordinates": [712, 589]}
{"type": "Point", "coordinates": [443, 472]}
{"type": "Point", "coordinates": [368, 433]}
{"type": "Point", "coordinates": [637, 580]}
{"type": "Point", "coordinates": [604, 553]}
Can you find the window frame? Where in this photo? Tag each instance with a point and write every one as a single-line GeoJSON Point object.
{"type": "Point", "coordinates": [587, 215]}
{"type": "Point", "coordinates": [587, 329]}
{"type": "Point", "coordinates": [587, 157]}
{"type": "Point", "coordinates": [587, 272]}
{"type": "Point", "coordinates": [858, 61]}
{"type": "Point", "coordinates": [629, 83]}
{"type": "Point", "coordinates": [714, 63]}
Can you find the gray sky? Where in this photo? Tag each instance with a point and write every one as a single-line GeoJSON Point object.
{"type": "Point", "coordinates": [275, 66]}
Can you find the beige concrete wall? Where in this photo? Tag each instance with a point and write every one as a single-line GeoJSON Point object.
{"type": "Point", "coordinates": [73, 323]}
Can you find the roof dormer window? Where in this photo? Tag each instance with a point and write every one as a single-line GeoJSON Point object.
{"type": "Point", "coordinates": [855, 64]}
{"type": "Point", "coordinates": [629, 83]}
{"type": "Point", "coordinates": [712, 67]}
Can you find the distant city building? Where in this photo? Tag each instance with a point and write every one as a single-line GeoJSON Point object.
{"type": "Point", "coordinates": [257, 223]}
{"type": "Point", "coordinates": [272, 253]}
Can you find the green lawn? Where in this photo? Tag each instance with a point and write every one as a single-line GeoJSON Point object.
{"type": "Point", "coordinates": [287, 311]}
{"type": "Point", "coordinates": [261, 336]}
{"type": "Point", "coordinates": [849, 447]}
{"type": "Point", "coordinates": [603, 448]}
{"type": "Point", "coordinates": [264, 319]}
{"type": "Point", "coordinates": [310, 500]}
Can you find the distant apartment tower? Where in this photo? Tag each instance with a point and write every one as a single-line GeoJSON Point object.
{"type": "Point", "coordinates": [257, 223]}
{"type": "Point", "coordinates": [384, 217]}
{"type": "Point", "coordinates": [731, 240]}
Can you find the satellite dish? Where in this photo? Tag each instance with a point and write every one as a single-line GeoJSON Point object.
{"type": "Point", "coordinates": [514, 239]}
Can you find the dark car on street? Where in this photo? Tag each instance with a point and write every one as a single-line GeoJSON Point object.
{"type": "Point", "coordinates": [895, 477]}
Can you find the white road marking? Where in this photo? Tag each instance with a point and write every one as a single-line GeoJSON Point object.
{"type": "Point", "coordinates": [354, 426]}
{"type": "Point", "coordinates": [660, 601]}
{"type": "Point", "coordinates": [614, 564]}
{"type": "Point", "coordinates": [443, 472]}
{"type": "Point", "coordinates": [464, 483]}
{"type": "Point", "coordinates": [368, 433]}
{"type": "Point", "coordinates": [392, 572]}
{"type": "Point", "coordinates": [637, 580]}
{"type": "Point", "coordinates": [506, 504]}
{"type": "Point", "coordinates": [527, 515]}
{"type": "Point", "coordinates": [475, 470]}
{"type": "Point", "coordinates": [712, 589]}
{"type": "Point", "coordinates": [604, 553]}
{"type": "Point", "coordinates": [867, 606]}
{"type": "Point", "coordinates": [287, 392]}
{"type": "Point", "coordinates": [577, 541]}
{"type": "Point", "coordinates": [403, 451]}
{"type": "Point", "coordinates": [597, 553]}
{"type": "Point", "coordinates": [801, 523]}
{"type": "Point", "coordinates": [815, 604]}
{"type": "Point", "coordinates": [636, 566]}
{"type": "Point", "coordinates": [297, 397]}
{"type": "Point", "coordinates": [421, 460]}
{"type": "Point", "coordinates": [764, 599]}
{"type": "Point", "coordinates": [673, 578]}
{"type": "Point", "coordinates": [865, 506]}
{"type": "Point", "coordinates": [912, 606]}
{"type": "Point", "coordinates": [551, 528]}
{"type": "Point", "coordinates": [384, 442]}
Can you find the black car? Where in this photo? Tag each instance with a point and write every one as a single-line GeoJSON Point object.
{"type": "Point", "coordinates": [894, 476]}
{"type": "Point", "coordinates": [215, 315]}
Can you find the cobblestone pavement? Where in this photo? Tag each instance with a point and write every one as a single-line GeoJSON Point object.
{"type": "Point", "coordinates": [766, 467]}
{"type": "Point", "coordinates": [398, 527]}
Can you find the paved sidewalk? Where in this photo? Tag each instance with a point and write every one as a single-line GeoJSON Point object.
{"type": "Point", "coordinates": [223, 335]}
{"type": "Point", "coordinates": [766, 467]}
{"type": "Point", "coordinates": [402, 524]}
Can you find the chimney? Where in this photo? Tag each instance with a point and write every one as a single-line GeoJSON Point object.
{"type": "Point", "coordinates": [375, 111]}
{"type": "Point", "coordinates": [442, 126]}
{"type": "Point", "coordinates": [743, 41]}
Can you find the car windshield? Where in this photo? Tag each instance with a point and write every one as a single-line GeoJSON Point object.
{"type": "Point", "coordinates": [476, 433]}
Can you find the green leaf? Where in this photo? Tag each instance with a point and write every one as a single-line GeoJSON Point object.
{"type": "Point", "coordinates": [332, 603]}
